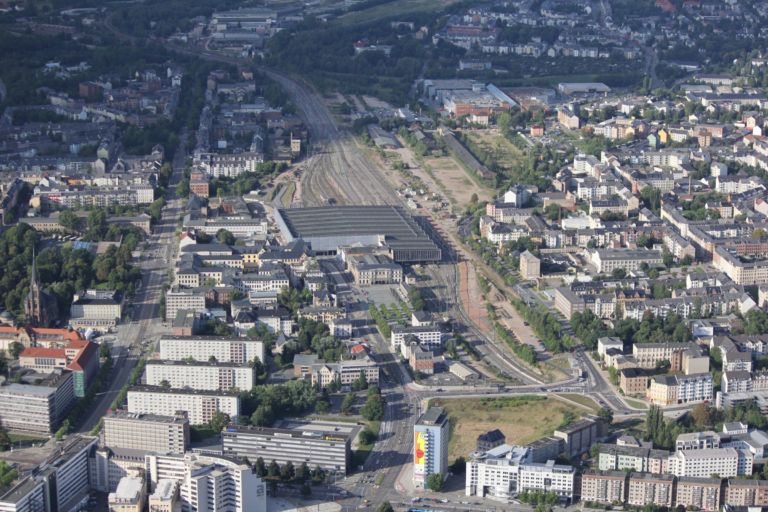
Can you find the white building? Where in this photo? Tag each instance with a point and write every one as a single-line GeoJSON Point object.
{"type": "Point", "coordinates": [206, 376]}
{"type": "Point", "coordinates": [505, 471]}
{"type": "Point", "coordinates": [723, 462]}
{"type": "Point", "coordinates": [199, 405]}
{"type": "Point", "coordinates": [211, 484]}
{"type": "Point", "coordinates": [430, 337]}
{"type": "Point", "coordinates": [200, 348]}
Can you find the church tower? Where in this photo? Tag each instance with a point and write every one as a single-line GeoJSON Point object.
{"type": "Point", "coordinates": [39, 309]}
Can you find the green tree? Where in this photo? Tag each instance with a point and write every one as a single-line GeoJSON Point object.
{"type": "Point", "coordinates": [373, 410]}
{"type": "Point", "coordinates": [435, 482]}
{"type": "Point", "coordinates": [69, 220]}
{"type": "Point", "coordinates": [606, 415]}
{"type": "Point", "coordinates": [346, 404]}
{"type": "Point", "coordinates": [385, 507]}
{"type": "Point", "coordinates": [225, 237]}
{"type": "Point", "coordinates": [219, 420]}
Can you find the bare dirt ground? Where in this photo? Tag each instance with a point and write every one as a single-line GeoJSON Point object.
{"type": "Point", "coordinates": [455, 181]}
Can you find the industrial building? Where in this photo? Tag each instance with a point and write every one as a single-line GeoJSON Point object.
{"type": "Point", "coordinates": [327, 228]}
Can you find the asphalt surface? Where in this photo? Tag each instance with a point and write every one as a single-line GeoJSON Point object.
{"type": "Point", "coordinates": [143, 325]}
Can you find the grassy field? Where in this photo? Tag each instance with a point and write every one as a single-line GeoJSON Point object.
{"type": "Point", "coordinates": [639, 404]}
{"type": "Point", "coordinates": [581, 399]}
{"type": "Point", "coordinates": [522, 419]}
{"type": "Point", "coordinates": [507, 154]}
{"type": "Point", "coordinates": [394, 8]}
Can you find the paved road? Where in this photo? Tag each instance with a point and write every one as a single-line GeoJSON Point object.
{"type": "Point", "coordinates": [143, 324]}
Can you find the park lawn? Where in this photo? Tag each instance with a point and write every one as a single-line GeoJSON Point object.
{"type": "Point", "coordinates": [394, 8]}
{"type": "Point", "coordinates": [522, 419]}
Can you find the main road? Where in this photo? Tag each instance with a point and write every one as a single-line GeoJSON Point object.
{"type": "Point", "coordinates": [142, 321]}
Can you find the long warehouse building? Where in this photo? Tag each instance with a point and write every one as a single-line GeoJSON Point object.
{"type": "Point", "coordinates": [326, 228]}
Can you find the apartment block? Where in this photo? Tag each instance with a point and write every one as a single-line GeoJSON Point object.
{"type": "Point", "coordinates": [199, 405]}
{"type": "Point", "coordinates": [699, 493]}
{"type": "Point", "coordinates": [201, 348]}
{"type": "Point", "coordinates": [206, 376]}
{"type": "Point", "coordinates": [704, 463]}
{"type": "Point", "coordinates": [746, 493]}
{"type": "Point", "coordinates": [697, 441]}
{"type": "Point", "coordinates": [147, 432]}
{"type": "Point", "coordinates": [604, 486]}
{"type": "Point", "coordinates": [645, 488]}
{"type": "Point", "coordinates": [429, 336]}
{"type": "Point", "coordinates": [607, 260]}
{"type": "Point", "coordinates": [329, 450]}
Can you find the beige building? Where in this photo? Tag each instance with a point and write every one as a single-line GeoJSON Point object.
{"type": "Point", "coordinates": [604, 486]}
{"type": "Point", "coordinates": [130, 495]}
{"type": "Point", "coordinates": [607, 260]}
{"type": "Point", "coordinates": [346, 372]}
{"type": "Point", "coordinates": [166, 497]}
{"type": "Point", "coordinates": [698, 493]}
{"type": "Point", "coordinates": [645, 488]}
{"type": "Point", "coordinates": [530, 266]}
{"type": "Point", "coordinates": [373, 269]}
{"type": "Point", "coordinates": [203, 375]}
{"type": "Point", "coordinates": [147, 432]}
{"type": "Point", "coordinates": [746, 493]}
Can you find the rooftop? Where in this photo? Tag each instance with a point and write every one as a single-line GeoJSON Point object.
{"type": "Point", "coordinates": [433, 416]}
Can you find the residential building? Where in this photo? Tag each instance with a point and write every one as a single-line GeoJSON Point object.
{"type": "Point", "coordinates": [697, 441]}
{"type": "Point", "coordinates": [604, 486]}
{"type": "Point", "coordinates": [206, 376]}
{"type": "Point", "coordinates": [634, 381]}
{"type": "Point", "coordinates": [421, 360]}
{"type": "Point", "coordinates": [146, 432]}
{"type": "Point", "coordinates": [210, 484]}
{"type": "Point", "coordinates": [704, 463]}
{"type": "Point", "coordinates": [199, 405]}
{"type": "Point", "coordinates": [430, 446]}
{"type": "Point", "coordinates": [645, 488]}
{"type": "Point", "coordinates": [327, 449]}
{"type": "Point", "coordinates": [680, 389]}
{"type": "Point", "coordinates": [201, 348]}
{"type": "Point", "coordinates": [746, 493]}
{"type": "Point", "coordinates": [698, 493]}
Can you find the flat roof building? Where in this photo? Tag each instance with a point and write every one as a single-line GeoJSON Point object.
{"type": "Point", "coordinates": [430, 447]}
{"type": "Point", "coordinates": [200, 406]}
{"type": "Point", "coordinates": [328, 228]}
{"type": "Point", "coordinates": [329, 450]}
{"type": "Point", "coordinates": [148, 432]}
{"type": "Point", "coordinates": [225, 349]}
